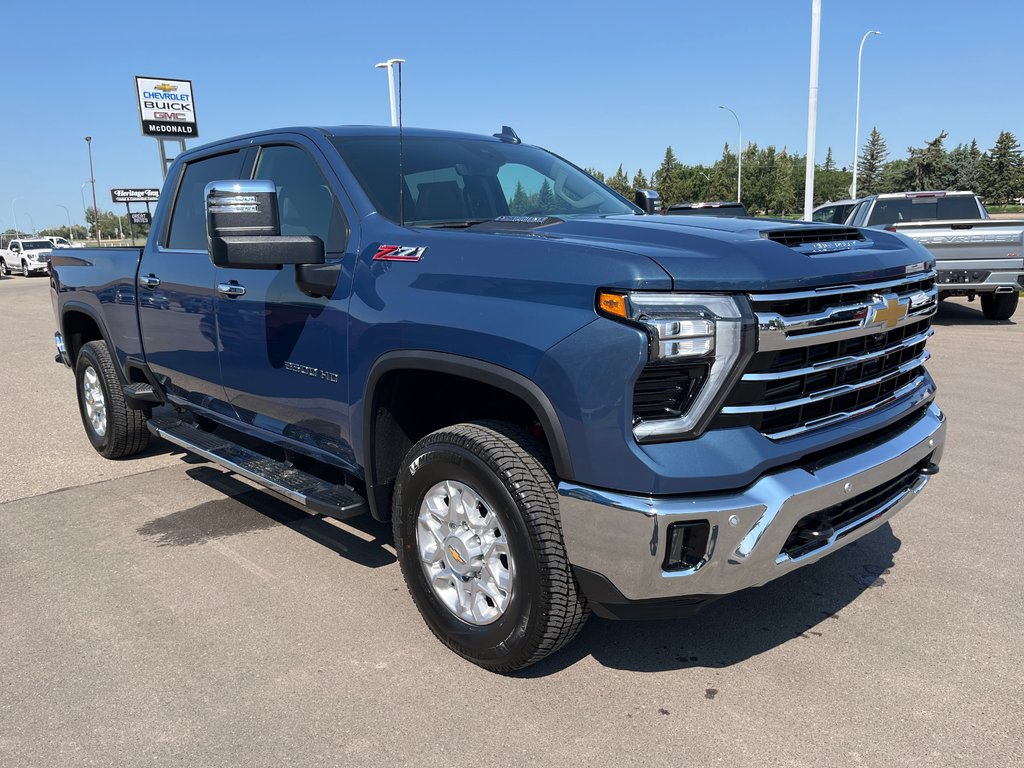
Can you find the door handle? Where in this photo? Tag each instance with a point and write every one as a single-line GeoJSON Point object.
{"type": "Point", "coordinates": [231, 290]}
{"type": "Point", "coordinates": [150, 281]}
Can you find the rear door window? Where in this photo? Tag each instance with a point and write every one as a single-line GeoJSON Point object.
{"type": "Point", "coordinates": [188, 219]}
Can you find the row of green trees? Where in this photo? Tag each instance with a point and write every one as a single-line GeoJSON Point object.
{"type": "Point", "coordinates": [773, 179]}
{"type": "Point", "coordinates": [112, 226]}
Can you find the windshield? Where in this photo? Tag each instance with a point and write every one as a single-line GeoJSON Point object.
{"type": "Point", "coordinates": [895, 210]}
{"type": "Point", "coordinates": [461, 180]}
{"type": "Point", "coordinates": [36, 245]}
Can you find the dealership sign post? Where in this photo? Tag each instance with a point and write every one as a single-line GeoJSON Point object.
{"type": "Point", "coordinates": [128, 196]}
{"type": "Point", "coordinates": [167, 112]}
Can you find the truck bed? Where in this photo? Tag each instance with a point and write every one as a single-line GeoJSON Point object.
{"type": "Point", "coordinates": [102, 283]}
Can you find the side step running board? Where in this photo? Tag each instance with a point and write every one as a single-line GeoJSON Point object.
{"type": "Point", "coordinates": [301, 488]}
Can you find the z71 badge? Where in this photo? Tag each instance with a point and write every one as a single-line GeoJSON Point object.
{"type": "Point", "coordinates": [399, 253]}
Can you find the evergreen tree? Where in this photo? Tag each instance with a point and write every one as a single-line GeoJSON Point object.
{"type": "Point", "coordinates": [1004, 171]}
{"type": "Point", "coordinates": [723, 176]}
{"type": "Point", "coordinates": [668, 181]}
{"type": "Point", "coordinates": [520, 202]}
{"type": "Point", "coordinates": [620, 183]}
{"type": "Point", "coordinates": [965, 167]}
{"type": "Point", "coordinates": [872, 162]}
{"type": "Point", "coordinates": [595, 173]}
{"type": "Point", "coordinates": [830, 164]}
{"type": "Point", "coordinates": [929, 164]}
{"type": "Point", "coordinates": [897, 176]}
{"type": "Point", "coordinates": [545, 198]}
{"type": "Point", "coordinates": [639, 180]}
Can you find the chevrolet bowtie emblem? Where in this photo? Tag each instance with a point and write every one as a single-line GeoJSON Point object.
{"type": "Point", "coordinates": [455, 555]}
{"type": "Point", "coordinates": [891, 313]}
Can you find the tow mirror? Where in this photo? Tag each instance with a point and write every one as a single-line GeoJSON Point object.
{"type": "Point", "coordinates": [243, 228]}
{"type": "Point", "coordinates": [649, 200]}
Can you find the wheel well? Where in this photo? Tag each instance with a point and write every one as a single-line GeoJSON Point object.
{"type": "Point", "coordinates": [409, 404]}
{"type": "Point", "coordinates": [79, 330]}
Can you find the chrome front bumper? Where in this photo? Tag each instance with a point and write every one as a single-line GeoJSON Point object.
{"type": "Point", "coordinates": [623, 537]}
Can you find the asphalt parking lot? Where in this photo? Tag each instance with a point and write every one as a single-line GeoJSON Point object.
{"type": "Point", "coordinates": [158, 611]}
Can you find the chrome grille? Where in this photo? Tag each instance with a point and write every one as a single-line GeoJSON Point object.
{"type": "Point", "coordinates": [832, 354]}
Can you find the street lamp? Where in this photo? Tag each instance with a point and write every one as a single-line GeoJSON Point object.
{"type": "Point", "coordinates": [92, 180]}
{"type": "Point", "coordinates": [389, 66]}
{"type": "Point", "coordinates": [71, 232]}
{"type": "Point", "coordinates": [707, 190]}
{"type": "Point", "coordinates": [812, 107]}
{"type": "Point", "coordinates": [856, 121]}
{"type": "Point", "coordinates": [32, 223]}
{"type": "Point", "coordinates": [739, 155]}
{"type": "Point", "coordinates": [14, 215]}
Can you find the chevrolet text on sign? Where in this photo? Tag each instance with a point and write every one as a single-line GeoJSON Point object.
{"type": "Point", "coordinates": [166, 108]}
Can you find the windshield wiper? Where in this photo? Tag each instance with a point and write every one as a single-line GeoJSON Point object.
{"type": "Point", "coordinates": [464, 224]}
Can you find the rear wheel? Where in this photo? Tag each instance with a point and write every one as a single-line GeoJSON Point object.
{"type": "Point", "coordinates": [999, 306]}
{"type": "Point", "coordinates": [480, 545]}
{"type": "Point", "coordinates": [4, 269]}
{"type": "Point", "coordinates": [115, 430]}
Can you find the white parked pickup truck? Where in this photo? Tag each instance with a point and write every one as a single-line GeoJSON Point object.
{"type": "Point", "coordinates": [26, 256]}
{"type": "Point", "coordinates": [975, 255]}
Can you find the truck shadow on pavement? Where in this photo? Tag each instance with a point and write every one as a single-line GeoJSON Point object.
{"type": "Point", "coordinates": [800, 607]}
{"type": "Point", "coordinates": [965, 313]}
{"type": "Point", "coordinates": [222, 518]}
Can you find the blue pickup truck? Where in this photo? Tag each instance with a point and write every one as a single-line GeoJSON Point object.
{"type": "Point", "coordinates": [563, 404]}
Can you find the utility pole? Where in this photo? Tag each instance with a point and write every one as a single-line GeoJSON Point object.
{"type": "Point", "coordinates": [812, 108]}
{"type": "Point", "coordinates": [92, 180]}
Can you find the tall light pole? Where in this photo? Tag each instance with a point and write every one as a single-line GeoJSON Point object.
{"type": "Point", "coordinates": [92, 180]}
{"type": "Point", "coordinates": [856, 120]}
{"type": "Point", "coordinates": [739, 155]}
{"type": "Point", "coordinates": [31, 223]}
{"type": "Point", "coordinates": [71, 232]}
{"type": "Point", "coordinates": [14, 215]}
{"type": "Point", "coordinates": [389, 65]}
{"type": "Point", "coordinates": [812, 108]}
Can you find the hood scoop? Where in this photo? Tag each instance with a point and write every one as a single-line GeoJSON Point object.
{"type": "Point", "coordinates": [517, 223]}
{"type": "Point", "coordinates": [815, 240]}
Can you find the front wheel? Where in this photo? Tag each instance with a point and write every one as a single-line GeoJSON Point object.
{"type": "Point", "coordinates": [999, 306]}
{"type": "Point", "coordinates": [115, 430]}
{"type": "Point", "coordinates": [24, 268]}
{"type": "Point", "coordinates": [476, 527]}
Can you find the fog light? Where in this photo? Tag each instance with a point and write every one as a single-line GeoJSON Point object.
{"type": "Point", "coordinates": [687, 545]}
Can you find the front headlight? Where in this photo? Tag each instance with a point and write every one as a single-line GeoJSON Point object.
{"type": "Point", "coordinates": [699, 346]}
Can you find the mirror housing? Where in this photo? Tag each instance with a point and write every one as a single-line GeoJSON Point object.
{"type": "Point", "coordinates": [243, 228]}
{"type": "Point", "coordinates": [649, 200]}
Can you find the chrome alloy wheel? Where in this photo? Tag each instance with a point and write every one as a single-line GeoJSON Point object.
{"type": "Point", "coordinates": [95, 403]}
{"type": "Point", "coordinates": [464, 553]}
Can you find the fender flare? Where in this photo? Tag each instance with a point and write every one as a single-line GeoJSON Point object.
{"type": "Point", "coordinates": [469, 368]}
{"type": "Point", "coordinates": [79, 306]}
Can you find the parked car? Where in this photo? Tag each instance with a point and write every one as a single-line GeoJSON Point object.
{"type": "Point", "coordinates": [59, 242]}
{"type": "Point", "coordinates": [976, 256]}
{"type": "Point", "coordinates": [834, 213]}
{"type": "Point", "coordinates": [588, 409]}
{"type": "Point", "coordinates": [707, 209]}
{"type": "Point", "coordinates": [27, 256]}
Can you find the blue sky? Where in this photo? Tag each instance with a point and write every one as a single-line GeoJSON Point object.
{"type": "Point", "coordinates": [600, 83]}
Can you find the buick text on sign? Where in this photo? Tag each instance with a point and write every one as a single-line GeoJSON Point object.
{"type": "Point", "coordinates": [166, 108]}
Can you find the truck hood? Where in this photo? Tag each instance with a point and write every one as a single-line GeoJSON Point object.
{"type": "Point", "coordinates": [709, 253]}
